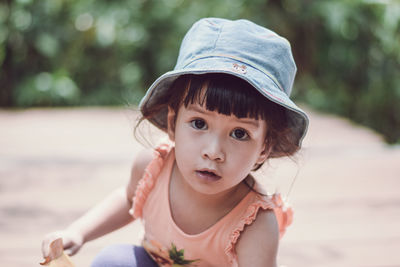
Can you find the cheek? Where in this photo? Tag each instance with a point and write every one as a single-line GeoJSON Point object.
{"type": "Point", "coordinates": [181, 135]}
{"type": "Point", "coordinates": [247, 157]}
{"type": "Point", "coordinates": [185, 145]}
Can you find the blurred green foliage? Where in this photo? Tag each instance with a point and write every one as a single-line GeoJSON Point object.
{"type": "Point", "coordinates": [65, 52]}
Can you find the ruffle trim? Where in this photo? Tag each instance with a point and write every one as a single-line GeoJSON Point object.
{"type": "Point", "coordinates": [283, 213]}
{"type": "Point", "coordinates": [148, 180]}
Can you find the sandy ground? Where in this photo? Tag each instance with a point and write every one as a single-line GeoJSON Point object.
{"type": "Point", "coordinates": [56, 163]}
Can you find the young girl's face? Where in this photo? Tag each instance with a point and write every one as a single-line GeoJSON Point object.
{"type": "Point", "coordinates": [215, 152]}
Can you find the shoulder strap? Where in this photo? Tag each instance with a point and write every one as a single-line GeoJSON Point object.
{"type": "Point", "coordinates": [148, 180]}
{"type": "Point", "coordinates": [283, 213]}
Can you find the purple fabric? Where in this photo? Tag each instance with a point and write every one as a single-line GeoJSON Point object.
{"type": "Point", "coordinates": [123, 256]}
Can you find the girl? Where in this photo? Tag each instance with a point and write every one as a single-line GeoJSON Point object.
{"type": "Point", "coordinates": [226, 109]}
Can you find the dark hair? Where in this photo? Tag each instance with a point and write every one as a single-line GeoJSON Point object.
{"type": "Point", "coordinates": [227, 94]}
{"type": "Point", "coordinates": [223, 93]}
{"type": "Point", "coordinates": [230, 95]}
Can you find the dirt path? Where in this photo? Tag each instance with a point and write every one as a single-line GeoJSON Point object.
{"type": "Point", "coordinates": [56, 163]}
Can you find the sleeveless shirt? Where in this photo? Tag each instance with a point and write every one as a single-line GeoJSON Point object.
{"type": "Point", "coordinates": [167, 244]}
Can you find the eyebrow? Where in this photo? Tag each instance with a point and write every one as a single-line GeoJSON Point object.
{"type": "Point", "coordinates": [254, 123]}
{"type": "Point", "coordinates": [196, 109]}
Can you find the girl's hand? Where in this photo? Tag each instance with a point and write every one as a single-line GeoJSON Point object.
{"type": "Point", "coordinates": [72, 242]}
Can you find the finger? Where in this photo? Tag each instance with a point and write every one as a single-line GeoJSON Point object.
{"type": "Point", "coordinates": [67, 243]}
{"type": "Point", "coordinates": [72, 250]}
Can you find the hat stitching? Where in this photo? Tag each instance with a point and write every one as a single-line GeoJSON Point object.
{"type": "Point", "coordinates": [217, 38]}
{"type": "Point", "coordinates": [210, 22]}
{"type": "Point", "coordinates": [255, 66]}
{"type": "Point", "coordinates": [273, 96]}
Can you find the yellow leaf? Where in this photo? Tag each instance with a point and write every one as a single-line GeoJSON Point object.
{"type": "Point", "coordinates": [57, 257]}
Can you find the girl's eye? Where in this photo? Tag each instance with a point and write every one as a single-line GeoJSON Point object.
{"type": "Point", "coordinates": [240, 134]}
{"type": "Point", "coordinates": [199, 124]}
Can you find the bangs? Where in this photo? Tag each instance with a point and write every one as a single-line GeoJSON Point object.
{"type": "Point", "coordinates": [225, 94]}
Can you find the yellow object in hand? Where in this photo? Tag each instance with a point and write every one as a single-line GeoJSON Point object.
{"type": "Point", "coordinates": [57, 257]}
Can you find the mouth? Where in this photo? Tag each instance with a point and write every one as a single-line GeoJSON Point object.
{"type": "Point", "coordinates": [208, 175]}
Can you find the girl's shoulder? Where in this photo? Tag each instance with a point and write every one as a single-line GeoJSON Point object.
{"type": "Point", "coordinates": [145, 170]}
{"type": "Point", "coordinates": [141, 161]}
{"type": "Point", "coordinates": [258, 244]}
{"type": "Point", "coordinates": [146, 160]}
{"type": "Point", "coordinates": [259, 229]}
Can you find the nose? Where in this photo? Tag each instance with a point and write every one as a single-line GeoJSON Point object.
{"type": "Point", "coordinates": [213, 151]}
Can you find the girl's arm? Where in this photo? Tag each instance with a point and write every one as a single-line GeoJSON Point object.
{"type": "Point", "coordinates": [113, 213]}
{"type": "Point", "coordinates": [107, 216]}
{"type": "Point", "coordinates": [258, 244]}
{"type": "Point", "coordinates": [110, 214]}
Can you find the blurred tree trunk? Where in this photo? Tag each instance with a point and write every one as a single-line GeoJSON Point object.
{"type": "Point", "coordinates": [6, 80]}
{"type": "Point", "coordinates": [7, 73]}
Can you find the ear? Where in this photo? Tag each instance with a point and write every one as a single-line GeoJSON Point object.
{"type": "Point", "coordinates": [265, 152]}
{"type": "Point", "coordinates": [171, 117]}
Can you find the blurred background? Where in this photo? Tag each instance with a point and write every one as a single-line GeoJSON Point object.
{"type": "Point", "coordinates": [79, 53]}
{"type": "Point", "coordinates": [72, 72]}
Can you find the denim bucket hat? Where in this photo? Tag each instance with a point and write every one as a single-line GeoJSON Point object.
{"type": "Point", "coordinates": [240, 48]}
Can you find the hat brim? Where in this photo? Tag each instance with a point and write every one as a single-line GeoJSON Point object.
{"type": "Point", "coordinates": [298, 120]}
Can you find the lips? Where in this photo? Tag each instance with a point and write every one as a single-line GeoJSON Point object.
{"type": "Point", "coordinates": [208, 175]}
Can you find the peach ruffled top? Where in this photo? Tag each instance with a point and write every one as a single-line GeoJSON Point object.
{"type": "Point", "coordinates": [212, 247]}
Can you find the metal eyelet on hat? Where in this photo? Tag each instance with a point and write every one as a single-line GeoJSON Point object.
{"type": "Point", "coordinates": [239, 68]}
